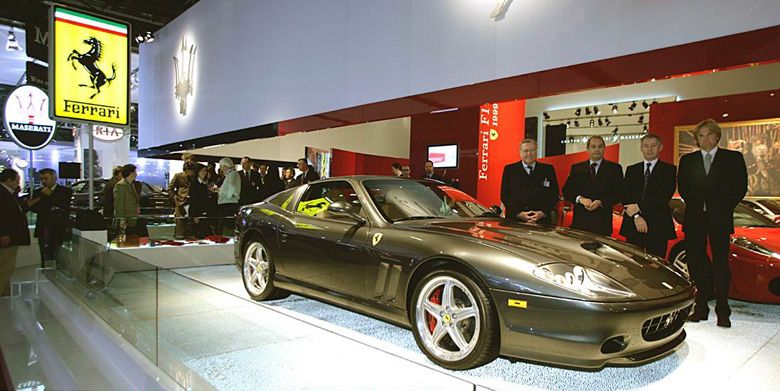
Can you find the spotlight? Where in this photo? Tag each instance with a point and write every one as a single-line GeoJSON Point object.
{"type": "Point", "coordinates": [568, 123]}
{"type": "Point", "coordinates": [576, 124]}
{"type": "Point", "coordinates": [11, 44]}
{"type": "Point", "coordinates": [615, 131]}
{"type": "Point", "coordinates": [633, 106]}
{"type": "Point", "coordinates": [654, 101]}
{"type": "Point", "coordinates": [546, 116]}
{"type": "Point", "coordinates": [139, 38]}
{"type": "Point", "coordinates": [645, 105]}
{"type": "Point", "coordinates": [644, 129]}
{"type": "Point", "coordinates": [614, 109]}
{"type": "Point", "coordinates": [587, 111]}
{"type": "Point", "coordinates": [607, 121]}
{"type": "Point", "coordinates": [596, 110]}
{"type": "Point", "coordinates": [591, 122]}
{"type": "Point", "coordinates": [146, 37]}
{"type": "Point", "coordinates": [578, 112]}
{"type": "Point", "coordinates": [641, 119]}
{"type": "Point", "coordinates": [601, 123]}
{"type": "Point", "coordinates": [149, 37]}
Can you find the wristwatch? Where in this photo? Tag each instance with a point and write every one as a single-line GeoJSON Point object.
{"type": "Point", "coordinates": [636, 216]}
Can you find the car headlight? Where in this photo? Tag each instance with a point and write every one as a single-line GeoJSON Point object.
{"type": "Point", "coordinates": [581, 280]}
{"type": "Point", "coordinates": [754, 247]}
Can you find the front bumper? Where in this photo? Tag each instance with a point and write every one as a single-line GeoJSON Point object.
{"type": "Point", "coordinates": [588, 334]}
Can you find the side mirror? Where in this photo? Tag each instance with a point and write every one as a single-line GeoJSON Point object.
{"type": "Point", "coordinates": [344, 209]}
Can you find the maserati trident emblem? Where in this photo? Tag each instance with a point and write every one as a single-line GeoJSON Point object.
{"type": "Point", "coordinates": [183, 66]}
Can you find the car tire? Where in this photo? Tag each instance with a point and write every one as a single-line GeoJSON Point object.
{"type": "Point", "coordinates": [677, 260]}
{"type": "Point", "coordinates": [257, 271]}
{"type": "Point", "coordinates": [454, 321]}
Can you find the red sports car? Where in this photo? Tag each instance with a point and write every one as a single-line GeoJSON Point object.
{"type": "Point", "coordinates": [754, 258]}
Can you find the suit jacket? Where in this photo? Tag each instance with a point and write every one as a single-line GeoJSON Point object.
{"type": "Point", "coordinates": [126, 202]}
{"type": "Point", "coordinates": [435, 177]}
{"type": "Point", "coordinates": [721, 189]}
{"type": "Point", "coordinates": [201, 204]}
{"type": "Point", "coordinates": [604, 186]}
{"type": "Point", "coordinates": [521, 192]}
{"type": "Point", "coordinates": [270, 184]}
{"type": "Point", "coordinates": [108, 197]}
{"type": "Point", "coordinates": [179, 189]}
{"type": "Point", "coordinates": [13, 222]}
{"type": "Point", "coordinates": [250, 186]}
{"type": "Point", "coordinates": [653, 203]}
{"type": "Point", "coordinates": [307, 177]}
{"type": "Point", "coordinates": [53, 210]}
{"type": "Point", "coordinates": [290, 184]}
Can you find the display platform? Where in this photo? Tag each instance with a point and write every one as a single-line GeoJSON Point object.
{"type": "Point", "coordinates": [743, 357]}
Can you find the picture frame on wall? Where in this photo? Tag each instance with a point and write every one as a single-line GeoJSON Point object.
{"type": "Point", "coordinates": [759, 142]}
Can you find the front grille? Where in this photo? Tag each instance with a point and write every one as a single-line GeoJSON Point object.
{"type": "Point", "coordinates": [665, 325]}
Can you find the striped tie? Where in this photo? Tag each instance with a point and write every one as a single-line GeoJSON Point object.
{"type": "Point", "coordinates": [647, 179]}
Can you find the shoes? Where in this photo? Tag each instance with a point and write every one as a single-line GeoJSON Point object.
{"type": "Point", "coordinates": [724, 321]}
{"type": "Point", "coordinates": [698, 315]}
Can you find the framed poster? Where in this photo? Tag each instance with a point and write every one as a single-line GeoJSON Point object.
{"type": "Point", "coordinates": [759, 142]}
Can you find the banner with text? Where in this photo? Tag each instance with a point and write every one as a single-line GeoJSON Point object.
{"type": "Point", "coordinates": [89, 68]}
{"type": "Point", "coordinates": [501, 129]}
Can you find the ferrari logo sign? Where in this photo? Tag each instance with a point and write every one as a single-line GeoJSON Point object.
{"type": "Point", "coordinates": [89, 68]}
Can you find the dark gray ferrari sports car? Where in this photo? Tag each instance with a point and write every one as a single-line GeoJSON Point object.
{"type": "Point", "coordinates": [469, 284]}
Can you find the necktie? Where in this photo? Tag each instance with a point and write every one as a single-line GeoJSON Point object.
{"type": "Point", "coordinates": [530, 169]}
{"type": "Point", "coordinates": [647, 178]}
{"type": "Point", "coordinates": [707, 163]}
{"type": "Point", "coordinates": [593, 169]}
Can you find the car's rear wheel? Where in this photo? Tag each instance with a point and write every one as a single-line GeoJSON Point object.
{"type": "Point", "coordinates": [258, 272]}
{"type": "Point", "coordinates": [678, 260]}
{"type": "Point", "coordinates": [454, 322]}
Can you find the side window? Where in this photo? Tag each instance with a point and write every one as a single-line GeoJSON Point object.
{"type": "Point", "coordinates": [284, 198]}
{"type": "Point", "coordinates": [319, 196]}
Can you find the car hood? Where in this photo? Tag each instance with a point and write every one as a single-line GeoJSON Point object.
{"type": "Point", "coordinates": [763, 236]}
{"type": "Point", "coordinates": [645, 275]}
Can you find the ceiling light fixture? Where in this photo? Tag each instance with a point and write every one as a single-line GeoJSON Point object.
{"type": "Point", "coordinates": [546, 116]}
{"type": "Point", "coordinates": [578, 112]}
{"type": "Point", "coordinates": [587, 111]}
{"type": "Point", "coordinates": [644, 104]}
{"type": "Point", "coordinates": [591, 122]}
{"type": "Point", "coordinates": [633, 106]}
{"type": "Point", "coordinates": [614, 109]}
{"type": "Point", "coordinates": [596, 110]}
{"type": "Point", "coordinates": [641, 119]}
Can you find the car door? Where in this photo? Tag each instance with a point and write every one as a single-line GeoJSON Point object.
{"type": "Point", "coordinates": [323, 250]}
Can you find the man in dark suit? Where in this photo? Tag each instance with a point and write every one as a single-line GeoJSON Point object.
{"type": "Point", "coordinates": [308, 174]}
{"type": "Point", "coordinates": [51, 203]}
{"type": "Point", "coordinates": [13, 227]}
{"type": "Point", "coordinates": [431, 174]}
{"type": "Point", "coordinates": [288, 178]}
{"type": "Point", "coordinates": [250, 183]}
{"type": "Point", "coordinates": [647, 189]}
{"type": "Point", "coordinates": [270, 183]}
{"type": "Point", "coordinates": [712, 181]}
{"type": "Point", "coordinates": [529, 189]}
{"type": "Point", "coordinates": [593, 187]}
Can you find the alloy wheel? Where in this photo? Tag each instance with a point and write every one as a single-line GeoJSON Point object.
{"type": "Point", "coordinates": [679, 262]}
{"type": "Point", "coordinates": [447, 318]}
{"type": "Point", "coordinates": [256, 269]}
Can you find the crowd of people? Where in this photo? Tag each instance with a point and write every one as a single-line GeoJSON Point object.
{"type": "Point", "coordinates": [711, 181]}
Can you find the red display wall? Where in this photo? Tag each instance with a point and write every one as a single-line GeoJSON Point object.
{"type": "Point", "coordinates": [501, 129]}
{"type": "Point", "coordinates": [345, 162]}
{"type": "Point", "coordinates": [752, 106]}
{"type": "Point", "coordinates": [562, 163]}
{"type": "Point", "coordinates": [453, 127]}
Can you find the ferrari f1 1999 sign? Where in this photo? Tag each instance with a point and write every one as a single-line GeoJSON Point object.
{"type": "Point", "coordinates": [89, 67]}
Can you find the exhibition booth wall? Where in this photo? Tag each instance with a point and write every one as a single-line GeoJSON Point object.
{"type": "Point", "coordinates": [356, 163]}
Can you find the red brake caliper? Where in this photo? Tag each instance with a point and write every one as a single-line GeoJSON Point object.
{"type": "Point", "coordinates": [435, 298]}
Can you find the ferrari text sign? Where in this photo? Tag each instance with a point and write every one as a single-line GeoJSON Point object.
{"type": "Point", "coordinates": [89, 68]}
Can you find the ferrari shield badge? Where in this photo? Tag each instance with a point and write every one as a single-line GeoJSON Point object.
{"type": "Point", "coordinates": [377, 238]}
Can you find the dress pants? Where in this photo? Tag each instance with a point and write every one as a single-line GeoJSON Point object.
{"type": "Point", "coordinates": [227, 218]}
{"type": "Point", "coordinates": [7, 267]}
{"type": "Point", "coordinates": [49, 242]}
{"type": "Point", "coordinates": [709, 277]}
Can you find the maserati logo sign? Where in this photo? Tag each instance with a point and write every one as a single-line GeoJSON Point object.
{"type": "Point", "coordinates": [27, 117]}
{"type": "Point", "coordinates": [183, 67]}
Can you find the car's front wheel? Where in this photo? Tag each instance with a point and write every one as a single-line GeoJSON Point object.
{"type": "Point", "coordinates": [258, 272]}
{"type": "Point", "coordinates": [454, 322]}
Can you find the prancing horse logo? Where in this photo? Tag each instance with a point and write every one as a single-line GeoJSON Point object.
{"type": "Point", "coordinates": [89, 61]}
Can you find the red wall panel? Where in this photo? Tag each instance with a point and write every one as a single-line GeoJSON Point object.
{"type": "Point", "coordinates": [454, 127]}
{"type": "Point", "coordinates": [665, 116]}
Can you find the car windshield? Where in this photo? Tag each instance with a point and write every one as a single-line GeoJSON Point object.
{"type": "Point", "coordinates": [772, 205]}
{"type": "Point", "coordinates": [403, 199]}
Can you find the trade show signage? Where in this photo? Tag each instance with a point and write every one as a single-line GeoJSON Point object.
{"type": "Point", "coordinates": [501, 129]}
{"type": "Point", "coordinates": [107, 133]}
{"type": "Point", "coordinates": [27, 117]}
{"type": "Point", "coordinates": [89, 74]}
